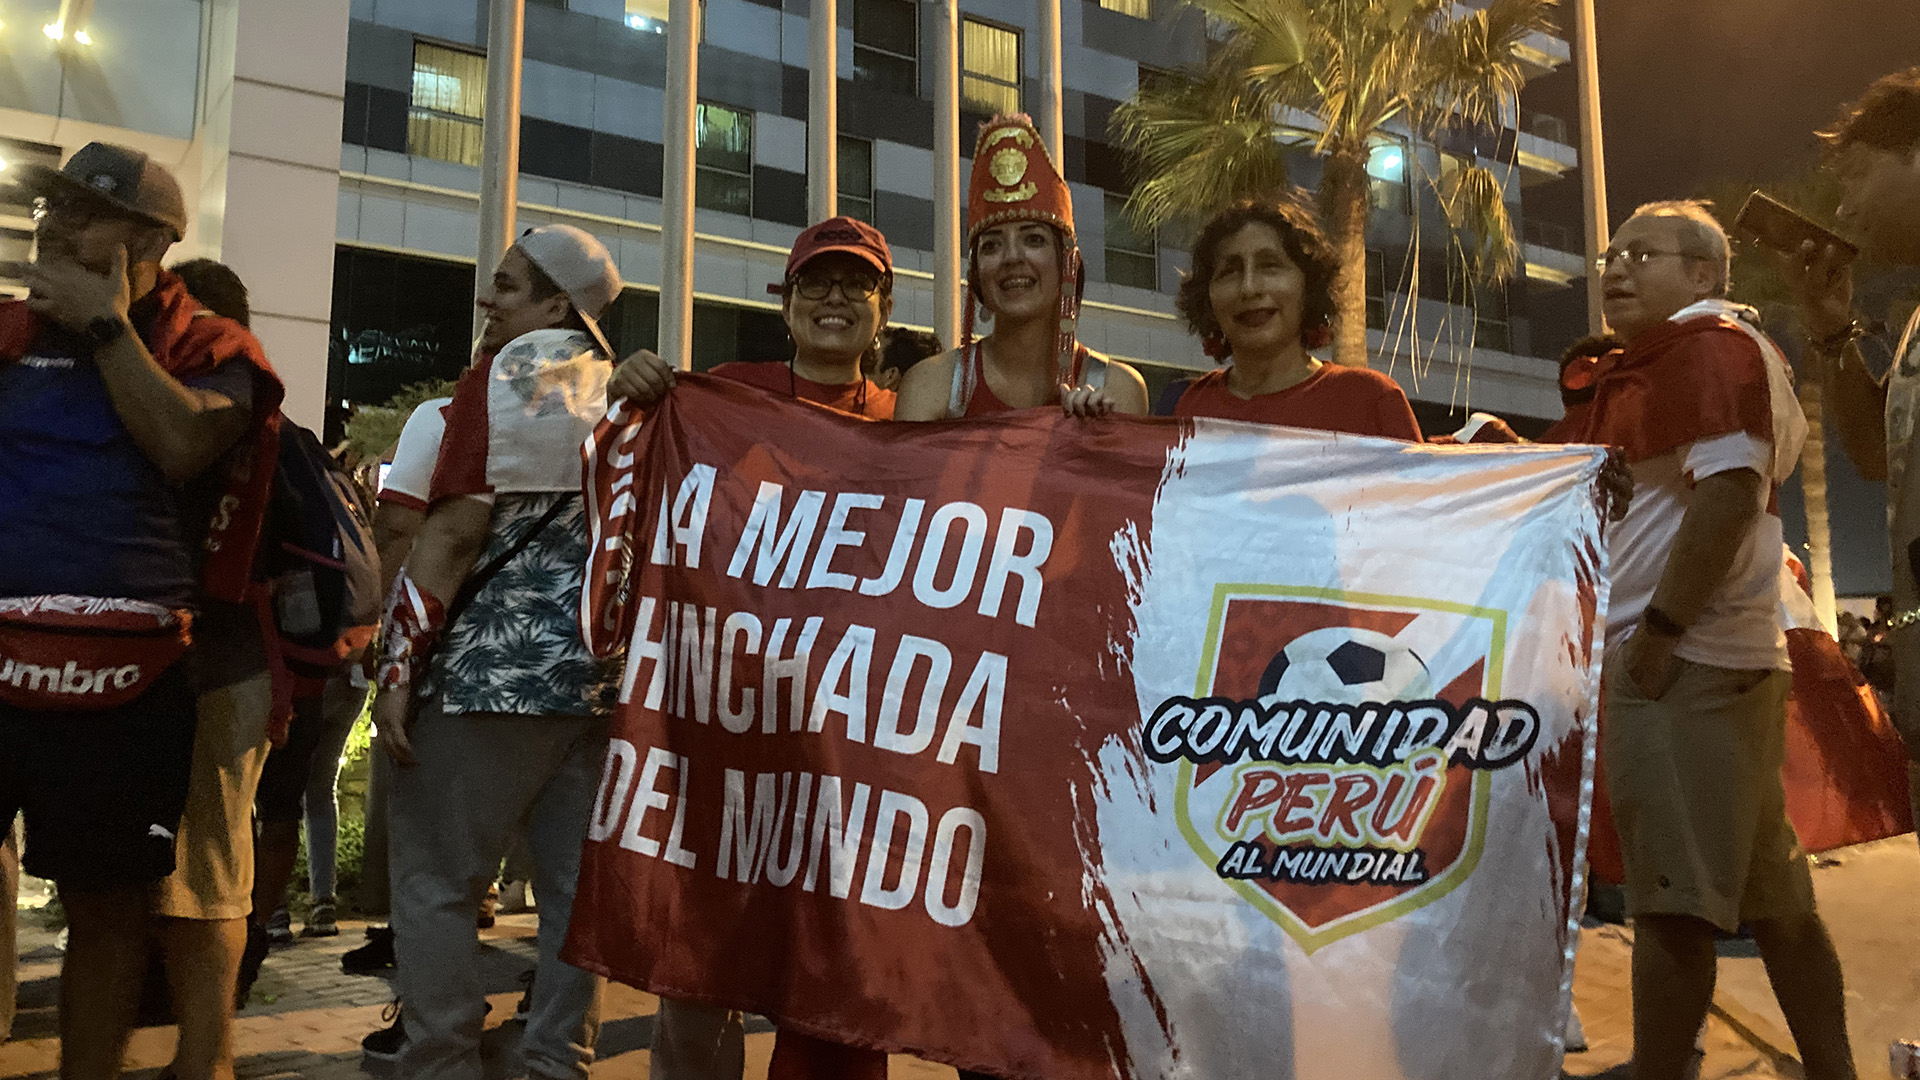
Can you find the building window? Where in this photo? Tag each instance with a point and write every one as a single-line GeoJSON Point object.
{"type": "Point", "coordinates": [855, 169]}
{"type": "Point", "coordinates": [1376, 290]}
{"type": "Point", "coordinates": [1492, 328]}
{"type": "Point", "coordinates": [990, 57]}
{"type": "Point", "coordinates": [1139, 9]}
{"type": "Point", "coordinates": [1387, 173]}
{"type": "Point", "coordinates": [449, 103]}
{"type": "Point", "coordinates": [649, 16]}
{"type": "Point", "coordinates": [1131, 254]}
{"type": "Point", "coordinates": [886, 45]}
{"type": "Point", "coordinates": [723, 160]}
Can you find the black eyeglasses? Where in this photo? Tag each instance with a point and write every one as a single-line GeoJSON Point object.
{"type": "Point", "coordinates": [855, 287]}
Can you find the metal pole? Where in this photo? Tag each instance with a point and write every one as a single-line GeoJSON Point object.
{"type": "Point", "coordinates": [823, 119]}
{"type": "Point", "coordinates": [500, 144]}
{"type": "Point", "coordinates": [676, 209]}
{"type": "Point", "coordinates": [947, 296]}
{"type": "Point", "coordinates": [1593, 159]}
{"type": "Point", "coordinates": [1049, 113]}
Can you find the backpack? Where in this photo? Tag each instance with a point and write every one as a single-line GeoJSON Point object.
{"type": "Point", "coordinates": [318, 559]}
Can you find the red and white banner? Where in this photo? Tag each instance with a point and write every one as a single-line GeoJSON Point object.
{"type": "Point", "coordinates": [1068, 749]}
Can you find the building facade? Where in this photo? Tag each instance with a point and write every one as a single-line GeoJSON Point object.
{"type": "Point", "coordinates": [334, 147]}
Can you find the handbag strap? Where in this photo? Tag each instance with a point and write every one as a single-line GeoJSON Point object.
{"type": "Point", "coordinates": [479, 578]}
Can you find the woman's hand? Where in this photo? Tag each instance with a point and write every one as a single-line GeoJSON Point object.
{"type": "Point", "coordinates": [642, 378]}
{"type": "Point", "coordinates": [1085, 401]}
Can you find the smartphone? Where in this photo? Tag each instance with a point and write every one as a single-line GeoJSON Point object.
{"type": "Point", "coordinates": [1780, 227]}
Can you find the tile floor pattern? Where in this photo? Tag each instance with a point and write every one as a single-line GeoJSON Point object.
{"type": "Point", "coordinates": [306, 1019]}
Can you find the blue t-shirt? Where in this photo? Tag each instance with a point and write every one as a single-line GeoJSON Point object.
{"type": "Point", "coordinates": [82, 508]}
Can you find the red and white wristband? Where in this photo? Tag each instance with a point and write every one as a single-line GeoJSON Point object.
{"type": "Point", "coordinates": [414, 619]}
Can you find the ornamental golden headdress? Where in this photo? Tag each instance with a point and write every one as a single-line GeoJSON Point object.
{"type": "Point", "coordinates": [1014, 180]}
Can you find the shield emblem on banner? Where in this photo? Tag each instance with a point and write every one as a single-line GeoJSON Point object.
{"type": "Point", "coordinates": [1327, 849]}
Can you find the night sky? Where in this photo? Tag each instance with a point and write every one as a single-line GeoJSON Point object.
{"type": "Point", "coordinates": [1696, 93]}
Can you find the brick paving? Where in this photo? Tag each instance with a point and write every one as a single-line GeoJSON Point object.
{"type": "Point", "coordinates": [306, 1018]}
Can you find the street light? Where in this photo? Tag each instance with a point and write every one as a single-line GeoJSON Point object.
{"type": "Point", "coordinates": [74, 13]}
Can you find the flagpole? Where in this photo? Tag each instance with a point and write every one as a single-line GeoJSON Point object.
{"type": "Point", "coordinates": [500, 144]}
{"type": "Point", "coordinates": [1593, 159]}
{"type": "Point", "coordinates": [947, 297]}
{"type": "Point", "coordinates": [823, 186]}
{"type": "Point", "coordinates": [1048, 116]}
{"type": "Point", "coordinates": [676, 209]}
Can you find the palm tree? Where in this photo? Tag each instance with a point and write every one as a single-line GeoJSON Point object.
{"type": "Point", "coordinates": [1360, 69]}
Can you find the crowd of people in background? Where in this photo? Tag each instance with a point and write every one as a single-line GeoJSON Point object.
{"type": "Point", "coordinates": [139, 436]}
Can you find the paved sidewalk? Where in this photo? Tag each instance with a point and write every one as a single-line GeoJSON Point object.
{"type": "Point", "coordinates": [306, 1019]}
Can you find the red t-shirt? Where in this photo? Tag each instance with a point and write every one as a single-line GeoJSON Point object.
{"type": "Point", "coordinates": [861, 398]}
{"type": "Point", "coordinates": [1357, 401]}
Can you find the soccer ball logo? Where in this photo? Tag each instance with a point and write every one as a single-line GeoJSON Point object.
{"type": "Point", "coordinates": [1345, 665]}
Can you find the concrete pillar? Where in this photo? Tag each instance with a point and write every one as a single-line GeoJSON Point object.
{"type": "Point", "coordinates": [269, 152]}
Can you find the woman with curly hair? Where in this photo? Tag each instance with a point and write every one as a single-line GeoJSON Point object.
{"type": "Point", "coordinates": [1260, 294]}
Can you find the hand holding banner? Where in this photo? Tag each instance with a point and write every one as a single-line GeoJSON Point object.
{"type": "Point", "coordinates": [1070, 749]}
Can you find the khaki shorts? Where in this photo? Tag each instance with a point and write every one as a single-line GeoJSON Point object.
{"type": "Point", "coordinates": [1694, 779]}
{"type": "Point", "coordinates": [213, 874]}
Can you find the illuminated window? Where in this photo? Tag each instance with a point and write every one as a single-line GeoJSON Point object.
{"type": "Point", "coordinates": [1139, 9]}
{"type": "Point", "coordinates": [449, 103]}
{"type": "Point", "coordinates": [855, 170]}
{"type": "Point", "coordinates": [723, 160]}
{"type": "Point", "coordinates": [1132, 258]}
{"type": "Point", "coordinates": [990, 57]}
{"type": "Point", "coordinates": [648, 16]}
{"type": "Point", "coordinates": [886, 45]}
{"type": "Point", "coordinates": [1387, 171]}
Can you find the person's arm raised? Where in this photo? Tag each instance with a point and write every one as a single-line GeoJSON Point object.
{"type": "Point", "coordinates": [1822, 284]}
{"type": "Point", "coordinates": [1124, 392]}
{"type": "Point", "coordinates": [181, 429]}
{"type": "Point", "coordinates": [643, 379]}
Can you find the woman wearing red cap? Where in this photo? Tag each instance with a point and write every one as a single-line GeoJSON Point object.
{"type": "Point", "coordinates": [836, 297]}
{"type": "Point", "coordinates": [1260, 292]}
{"type": "Point", "coordinates": [1025, 268]}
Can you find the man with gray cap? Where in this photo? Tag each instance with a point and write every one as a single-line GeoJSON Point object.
{"type": "Point", "coordinates": [482, 639]}
{"type": "Point", "coordinates": [127, 414]}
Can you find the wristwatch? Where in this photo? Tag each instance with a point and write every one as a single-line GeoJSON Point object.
{"type": "Point", "coordinates": [104, 330]}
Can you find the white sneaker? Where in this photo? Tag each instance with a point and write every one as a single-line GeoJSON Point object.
{"type": "Point", "coordinates": [515, 899]}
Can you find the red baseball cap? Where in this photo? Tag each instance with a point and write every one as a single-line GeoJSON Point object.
{"type": "Point", "coordinates": [846, 234]}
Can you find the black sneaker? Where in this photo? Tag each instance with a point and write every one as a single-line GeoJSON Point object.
{"type": "Point", "coordinates": [255, 954]}
{"type": "Point", "coordinates": [280, 927]}
{"type": "Point", "coordinates": [373, 958]}
{"type": "Point", "coordinates": [385, 1044]}
{"type": "Point", "coordinates": [526, 998]}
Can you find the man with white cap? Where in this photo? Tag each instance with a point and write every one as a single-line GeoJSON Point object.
{"type": "Point", "coordinates": [482, 637]}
